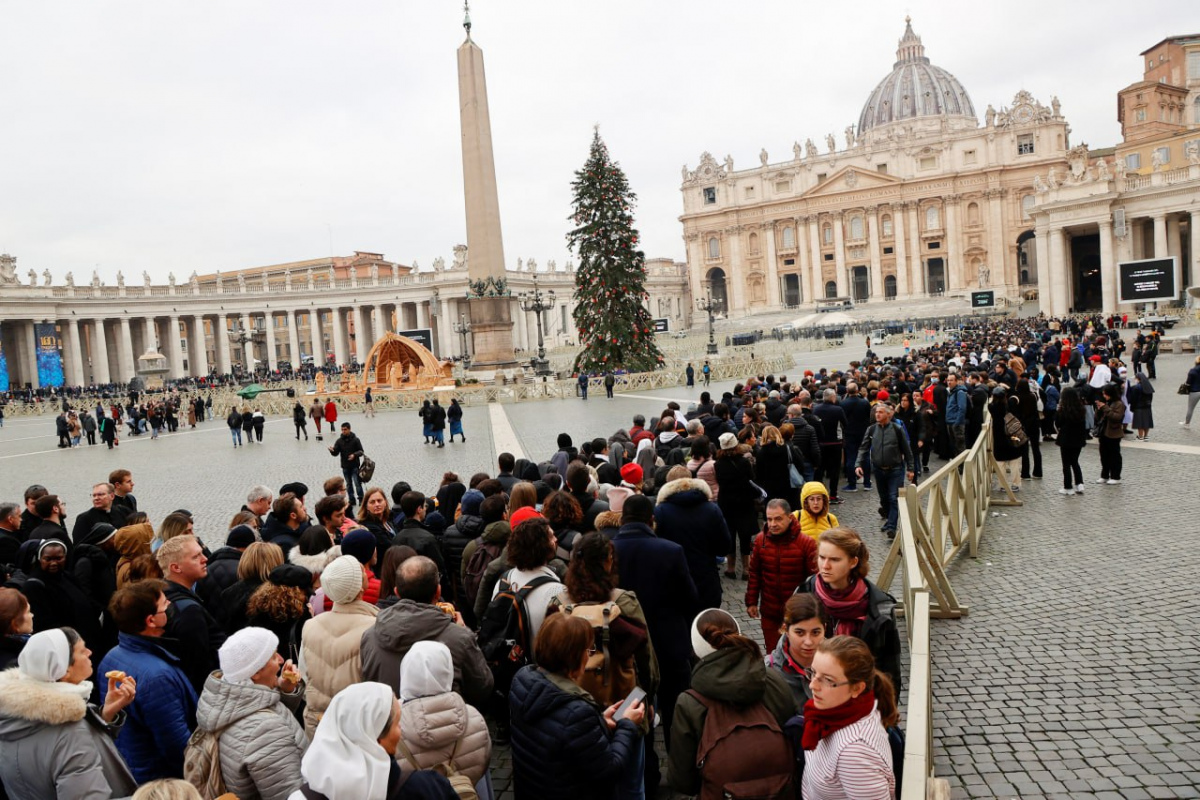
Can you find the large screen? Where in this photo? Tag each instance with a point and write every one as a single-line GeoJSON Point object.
{"type": "Point", "coordinates": [1148, 280]}
{"type": "Point", "coordinates": [49, 359]}
{"type": "Point", "coordinates": [662, 325]}
{"type": "Point", "coordinates": [422, 335]}
{"type": "Point", "coordinates": [983, 299]}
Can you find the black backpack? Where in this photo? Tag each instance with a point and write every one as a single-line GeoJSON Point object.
{"type": "Point", "coordinates": [485, 553]}
{"type": "Point", "coordinates": [504, 632]}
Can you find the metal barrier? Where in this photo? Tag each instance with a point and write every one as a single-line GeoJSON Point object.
{"type": "Point", "coordinates": [940, 517]}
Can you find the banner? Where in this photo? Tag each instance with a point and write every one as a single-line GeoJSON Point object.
{"type": "Point", "coordinates": [3, 369]}
{"type": "Point", "coordinates": [662, 325]}
{"type": "Point", "coordinates": [49, 359]}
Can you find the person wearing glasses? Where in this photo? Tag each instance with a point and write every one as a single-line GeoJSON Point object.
{"type": "Point", "coordinates": [163, 715]}
{"type": "Point", "coordinates": [847, 753]}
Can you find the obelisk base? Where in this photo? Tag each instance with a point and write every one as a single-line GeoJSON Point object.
{"type": "Point", "coordinates": [491, 333]}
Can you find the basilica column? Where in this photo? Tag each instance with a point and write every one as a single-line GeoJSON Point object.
{"type": "Point", "coordinates": [916, 263]}
{"type": "Point", "coordinates": [1041, 244]}
{"type": "Point", "coordinates": [1058, 272]}
{"type": "Point", "coordinates": [221, 344]}
{"type": "Point", "coordinates": [818, 266]}
{"type": "Point", "coordinates": [955, 272]}
{"type": "Point", "coordinates": [29, 354]}
{"type": "Point", "coordinates": [175, 343]}
{"type": "Point", "coordinates": [100, 373]}
{"type": "Point", "coordinates": [774, 292]}
{"type": "Point", "coordinates": [996, 263]}
{"type": "Point", "coordinates": [805, 258]}
{"type": "Point", "coordinates": [272, 357]}
{"type": "Point", "coordinates": [341, 348]}
{"type": "Point", "coordinates": [1108, 269]}
{"type": "Point", "coordinates": [198, 347]}
{"type": "Point", "coordinates": [898, 236]}
{"type": "Point", "coordinates": [318, 341]}
{"type": "Point", "coordinates": [876, 292]}
{"type": "Point", "coordinates": [735, 274]}
{"type": "Point", "coordinates": [1160, 236]}
{"type": "Point", "coordinates": [839, 255]}
{"type": "Point", "coordinates": [126, 358]}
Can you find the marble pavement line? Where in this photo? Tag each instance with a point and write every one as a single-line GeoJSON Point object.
{"type": "Point", "coordinates": [504, 438]}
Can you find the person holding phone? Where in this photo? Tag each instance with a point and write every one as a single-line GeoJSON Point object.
{"type": "Point", "coordinates": [565, 746]}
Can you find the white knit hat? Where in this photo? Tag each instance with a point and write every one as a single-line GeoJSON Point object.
{"type": "Point", "coordinates": [342, 580]}
{"type": "Point", "coordinates": [246, 652]}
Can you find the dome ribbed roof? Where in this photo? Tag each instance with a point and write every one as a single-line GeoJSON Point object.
{"type": "Point", "coordinates": [915, 88]}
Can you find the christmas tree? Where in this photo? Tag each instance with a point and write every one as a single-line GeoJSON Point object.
{"type": "Point", "coordinates": [615, 328]}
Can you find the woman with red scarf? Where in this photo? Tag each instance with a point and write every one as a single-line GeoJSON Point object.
{"type": "Point", "coordinates": [853, 605]}
{"type": "Point", "coordinates": [847, 755]}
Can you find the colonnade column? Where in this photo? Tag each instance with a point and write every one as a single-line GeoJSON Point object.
{"type": "Point", "coordinates": [126, 358]}
{"type": "Point", "coordinates": [898, 236]}
{"type": "Point", "coordinates": [422, 315]}
{"type": "Point", "coordinates": [221, 344]}
{"type": "Point", "coordinates": [29, 355]}
{"type": "Point", "coordinates": [445, 329]}
{"type": "Point", "coordinates": [175, 343]}
{"type": "Point", "coordinates": [877, 291]}
{"type": "Point", "coordinates": [198, 347]}
{"type": "Point", "coordinates": [1058, 272]}
{"type": "Point", "coordinates": [915, 263]}
{"type": "Point", "coordinates": [100, 371]}
{"type": "Point", "coordinates": [839, 254]}
{"type": "Point", "coordinates": [818, 266]}
{"type": "Point", "coordinates": [293, 321]}
{"type": "Point", "coordinates": [74, 353]}
{"type": "Point", "coordinates": [340, 349]}
{"type": "Point", "coordinates": [318, 341]}
{"type": "Point", "coordinates": [377, 322]}
{"type": "Point", "coordinates": [272, 357]}
{"type": "Point", "coordinates": [1108, 269]}
{"type": "Point", "coordinates": [1192, 273]}
{"type": "Point", "coordinates": [1160, 236]}
{"type": "Point", "coordinates": [362, 335]}
{"type": "Point", "coordinates": [149, 335]}
{"type": "Point", "coordinates": [248, 347]}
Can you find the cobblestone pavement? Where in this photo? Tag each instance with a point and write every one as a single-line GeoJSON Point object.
{"type": "Point", "coordinates": [1062, 682]}
{"type": "Point", "coordinates": [1076, 673]}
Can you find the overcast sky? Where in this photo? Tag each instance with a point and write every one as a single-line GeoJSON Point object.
{"type": "Point", "coordinates": [178, 136]}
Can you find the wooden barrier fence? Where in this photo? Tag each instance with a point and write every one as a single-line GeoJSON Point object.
{"type": "Point", "coordinates": [939, 518]}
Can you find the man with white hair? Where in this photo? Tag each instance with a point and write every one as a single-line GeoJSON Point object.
{"type": "Point", "coordinates": [258, 502]}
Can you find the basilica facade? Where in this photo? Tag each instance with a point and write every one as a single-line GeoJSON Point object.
{"type": "Point", "coordinates": [918, 199]}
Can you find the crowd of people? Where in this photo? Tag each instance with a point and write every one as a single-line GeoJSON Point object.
{"type": "Point", "coordinates": [572, 607]}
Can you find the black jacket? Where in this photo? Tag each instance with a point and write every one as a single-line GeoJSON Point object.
{"type": "Point", "coordinates": [198, 632]}
{"type": "Point", "coordinates": [686, 515]}
{"type": "Point", "coordinates": [657, 570]}
{"type": "Point", "coordinates": [436, 418]}
{"type": "Point", "coordinates": [83, 523]}
{"type": "Point", "coordinates": [348, 445]}
{"type": "Point", "coordinates": [858, 417]}
{"type": "Point", "coordinates": [456, 538]}
{"type": "Point", "coordinates": [833, 422]}
{"type": "Point", "coordinates": [592, 508]}
{"type": "Point", "coordinates": [222, 573]}
{"type": "Point", "coordinates": [384, 538]}
{"type": "Point", "coordinates": [421, 539]}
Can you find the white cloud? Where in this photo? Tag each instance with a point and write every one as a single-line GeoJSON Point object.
{"type": "Point", "coordinates": [172, 136]}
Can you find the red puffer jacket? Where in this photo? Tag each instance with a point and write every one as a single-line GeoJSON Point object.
{"type": "Point", "coordinates": [778, 564]}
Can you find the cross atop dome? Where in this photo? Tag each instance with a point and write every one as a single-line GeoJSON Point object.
{"type": "Point", "coordinates": [910, 51]}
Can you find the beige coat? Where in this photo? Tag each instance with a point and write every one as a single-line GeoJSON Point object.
{"type": "Point", "coordinates": [430, 726]}
{"type": "Point", "coordinates": [330, 655]}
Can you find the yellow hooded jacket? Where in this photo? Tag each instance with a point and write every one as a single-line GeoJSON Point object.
{"type": "Point", "coordinates": [812, 526]}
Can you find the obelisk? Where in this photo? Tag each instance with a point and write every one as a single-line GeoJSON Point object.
{"type": "Point", "coordinates": [491, 316]}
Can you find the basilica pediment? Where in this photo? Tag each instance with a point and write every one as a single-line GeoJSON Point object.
{"type": "Point", "coordinates": [851, 179]}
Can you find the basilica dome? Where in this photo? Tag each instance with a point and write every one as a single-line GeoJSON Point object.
{"type": "Point", "coordinates": [914, 89]}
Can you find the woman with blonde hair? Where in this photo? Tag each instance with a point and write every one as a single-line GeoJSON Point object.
{"type": "Point", "coordinates": [131, 541]}
{"type": "Point", "coordinates": [846, 749]}
{"type": "Point", "coordinates": [853, 605]}
{"type": "Point", "coordinates": [167, 789]}
{"type": "Point", "coordinates": [254, 567]}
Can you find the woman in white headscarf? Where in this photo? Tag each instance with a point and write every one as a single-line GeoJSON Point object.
{"type": "Point", "coordinates": [436, 725]}
{"type": "Point", "coordinates": [52, 742]}
{"type": "Point", "coordinates": [352, 753]}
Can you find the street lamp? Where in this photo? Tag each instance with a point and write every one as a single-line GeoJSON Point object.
{"type": "Point", "coordinates": [241, 337]}
{"type": "Point", "coordinates": [462, 328]}
{"type": "Point", "coordinates": [709, 305]}
{"type": "Point", "coordinates": [538, 303]}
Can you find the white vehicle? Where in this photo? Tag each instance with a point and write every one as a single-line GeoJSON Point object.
{"type": "Point", "coordinates": [1150, 320]}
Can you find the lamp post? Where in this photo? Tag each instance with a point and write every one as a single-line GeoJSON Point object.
{"type": "Point", "coordinates": [538, 303]}
{"type": "Point", "coordinates": [709, 305]}
{"type": "Point", "coordinates": [241, 337]}
{"type": "Point", "coordinates": [462, 328]}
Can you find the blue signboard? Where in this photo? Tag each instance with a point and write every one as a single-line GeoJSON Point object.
{"type": "Point", "coordinates": [49, 359]}
{"type": "Point", "coordinates": [3, 369]}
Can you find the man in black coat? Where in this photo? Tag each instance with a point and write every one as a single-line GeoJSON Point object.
{"type": "Point", "coordinates": [657, 571]}
{"type": "Point", "coordinates": [188, 621]}
{"type": "Point", "coordinates": [10, 526]}
{"type": "Point", "coordinates": [287, 520]}
{"type": "Point", "coordinates": [102, 510]}
{"type": "Point", "coordinates": [29, 517]}
{"type": "Point", "coordinates": [858, 419]}
{"type": "Point", "coordinates": [350, 450]}
{"type": "Point", "coordinates": [51, 509]}
{"type": "Point", "coordinates": [833, 427]}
